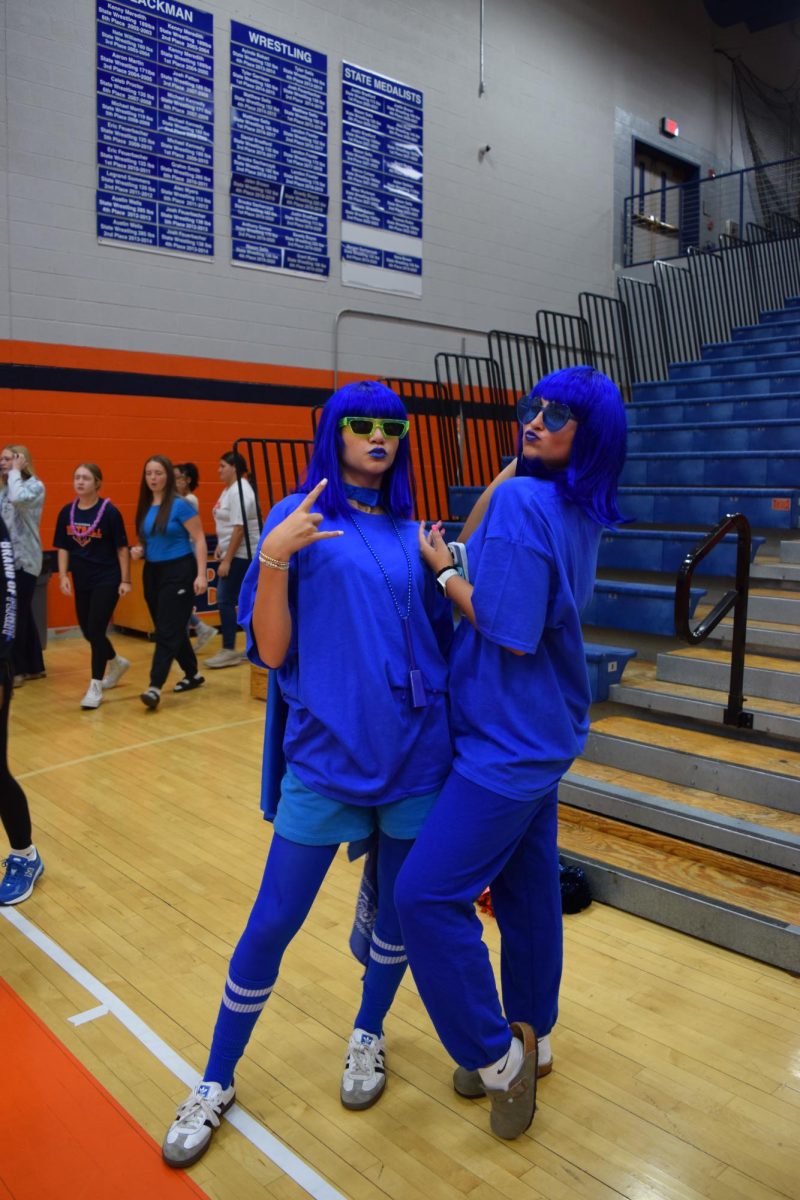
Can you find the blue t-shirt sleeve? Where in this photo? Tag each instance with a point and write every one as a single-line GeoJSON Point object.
{"type": "Point", "coordinates": [247, 595]}
{"type": "Point", "coordinates": [182, 510]}
{"type": "Point", "coordinates": [514, 577]}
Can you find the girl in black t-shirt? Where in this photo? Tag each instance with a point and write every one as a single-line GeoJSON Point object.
{"type": "Point", "coordinates": [92, 544]}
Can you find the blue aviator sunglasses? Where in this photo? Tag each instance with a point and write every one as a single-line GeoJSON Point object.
{"type": "Point", "coordinates": [554, 414]}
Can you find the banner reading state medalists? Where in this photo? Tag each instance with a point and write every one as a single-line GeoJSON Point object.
{"type": "Point", "coordinates": [155, 125]}
{"type": "Point", "coordinates": [381, 182]}
{"type": "Point", "coordinates": [279, 153]}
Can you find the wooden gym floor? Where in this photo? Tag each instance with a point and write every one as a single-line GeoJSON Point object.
{"type": "Point", "coordinates": [677, 1065]}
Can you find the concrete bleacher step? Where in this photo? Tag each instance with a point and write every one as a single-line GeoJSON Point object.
{"type": "Point", "coordinates": [765, 677]}
{"type": "Point", "coordinates": [647, 607]}
{"type": "Point", "coordinates": [769, 567]}
{"type": "Point", "coordinates": [713, 436]}
{"type": "Point", "coordinates": [745, 906]}
{"type": "Point", "coordinates": [663, 550]}
{"type": "Point", "coordinates": [714, 410]}
{"type": "Point", "coordinates": [713, 468]}
{"type": "Point", "coordinates": [761, 384]}
{"type": "Point", "coordinates": [770, 604]}
{"type": "Point", "coordinates": [789, 552]}
{"type": "Point", "coordinates": [762, 636]}
{"type": "Point", "coordinates": [641, 690]}
{"type": "Point", "coordinates": [764, 778]}
{"type": "Point", "coordinates": [704, 507]}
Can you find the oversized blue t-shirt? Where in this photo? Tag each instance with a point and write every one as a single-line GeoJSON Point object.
{"type": "Point", "coordinates": [352, 734]}
{"type": "Point", "coordinates": [518, 721]}
{"type": "Point", "coordinates": [174, 542]}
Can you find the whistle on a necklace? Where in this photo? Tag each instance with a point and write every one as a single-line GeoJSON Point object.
{"type": "Point", "coordinates": [419, 698]}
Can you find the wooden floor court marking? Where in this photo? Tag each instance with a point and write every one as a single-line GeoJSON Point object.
{"type": "Point", "coordinates": [66, 1125]}
{"type": "Point", "coordinates": [302, 1174]}
{"type": "Point", "coordinates": [170, 737]}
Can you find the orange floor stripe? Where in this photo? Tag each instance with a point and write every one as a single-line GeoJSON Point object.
{"type": "Point", "coordinates": [62, 1136]}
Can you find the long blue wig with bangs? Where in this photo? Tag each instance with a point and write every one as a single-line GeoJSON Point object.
{"type": "Point", "coordinates": [598, 450]}
{"type": "Point", "coordinates": [365, 399]}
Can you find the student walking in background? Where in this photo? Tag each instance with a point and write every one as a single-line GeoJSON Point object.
{"type": "Point", "coordinates": [23, 865]}
{"type": "Point", "coordinates": [93, 547]}
{"type": "Point", "coordinates": [173, 545]}
{"type": "Point", "coordinates": [233, 510]}
{"type": "Point", "coordinates": [21, 503]}
{"type": "Point", "coordinates": [187, 479]}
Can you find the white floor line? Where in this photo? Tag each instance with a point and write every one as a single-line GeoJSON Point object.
{"type": "Point", "coordinates": [91, 1014]}
{"type": "Point", "coordinates": [171, 737]}
{"type": "Point", "coordinates": [284, 1158]}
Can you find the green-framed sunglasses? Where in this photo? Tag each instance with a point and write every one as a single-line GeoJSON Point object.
{"type": "Point", "coordinates": [390, 427]}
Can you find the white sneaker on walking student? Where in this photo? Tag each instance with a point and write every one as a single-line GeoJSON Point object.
{"type": "Point", "coordinates": [224, 658]}
{"type": "Point", "coordinates": [114, 672]}
{"type": "Point", "coordinates": [204, 634]}
{"type": "Point", "coordinates": [94, 695]}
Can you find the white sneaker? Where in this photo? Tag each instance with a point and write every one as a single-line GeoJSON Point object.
{"type": "Point", "coordinates": [225, 658]}
{"type": "Point", "coordinates": [204, 635]}
{"type": "Point", "coordinates": [189, 1135]}
{"type": "Point", "coordinates": [364, 1075]}
{"type": "Point", "coordinates": [116, 669]}
{"type": "Point", "coordinates": [94, 696]}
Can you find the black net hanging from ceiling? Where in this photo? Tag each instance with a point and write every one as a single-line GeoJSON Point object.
{"type": "Point", "coordinates": [769, 122]}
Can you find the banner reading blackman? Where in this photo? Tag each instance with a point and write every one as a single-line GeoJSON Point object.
{"type": "Point", "coordinates": [381, 182]}
{"type": "Point", "coordinates": [155, 125]}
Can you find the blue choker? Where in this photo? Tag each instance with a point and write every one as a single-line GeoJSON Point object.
{"type": "Point", "coordinates": [368, 496]}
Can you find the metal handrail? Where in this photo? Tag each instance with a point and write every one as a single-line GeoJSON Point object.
{"type": "Point", "coordinates": [735, 713]}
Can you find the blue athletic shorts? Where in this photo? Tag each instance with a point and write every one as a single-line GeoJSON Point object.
{"type": "Point", "coordinates": [312, 820]}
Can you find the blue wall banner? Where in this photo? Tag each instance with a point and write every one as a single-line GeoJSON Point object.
{"type": "Point", "coordinates": [279, 154]}
{"type": "Point", "coordinates": [382, 148]}
{"type": "Point", "coordinates": [155, 125]}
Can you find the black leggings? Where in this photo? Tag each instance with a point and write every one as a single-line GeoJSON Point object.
{"type": "Point", "coordinates": [169, 592]}
{"type": "Point", "coordinates": [14, 811]}
{"type": "Point", "coordinates": [27, 646]}
{"type": "Point", "coordinates": [94, 608]}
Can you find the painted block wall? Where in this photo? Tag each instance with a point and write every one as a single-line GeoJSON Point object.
{"type": "Point", "coordinates": [529, 226]}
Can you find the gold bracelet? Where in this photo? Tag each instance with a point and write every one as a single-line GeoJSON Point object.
{"type": "Point", "coordinates": [276, 563]}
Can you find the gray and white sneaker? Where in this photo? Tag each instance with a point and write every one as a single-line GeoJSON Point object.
{"type": "Point", "coordinates": [196, 1121]}
{"type": "Point", "coordinates": [204, 634]}
{"type": "Point", "coordinates": [364, 1075]}
{"type": "Point", "coordinates": [224, 658]}
{"type": "Point", "coordinates": [116, 669]}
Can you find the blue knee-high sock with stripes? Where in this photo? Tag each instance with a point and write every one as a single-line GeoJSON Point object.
{"type": "Point", "coordinates": [387, 956]}
{"type": "Point", "coordinates": [292, 878]}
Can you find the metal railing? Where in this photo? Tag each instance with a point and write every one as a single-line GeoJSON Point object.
{"type": "Point", "coordinates": [275, 466]}
{"type": "Point", "coordinates": [669, 221]}
{"type": "Point", "coordinates": [487, 422]}
{"type": "Point", "coordinates": [434, 444]}
{"type": "Point", "coordinates": [736, 599]}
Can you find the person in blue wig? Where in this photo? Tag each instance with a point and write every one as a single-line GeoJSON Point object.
{"type": "Point", "coordinates": [339, 605]}
{"type": "Point", "coordinates": [519, 696]}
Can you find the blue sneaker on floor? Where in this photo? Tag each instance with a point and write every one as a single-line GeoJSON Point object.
{"type": "Point", "coordinates": [21, 874]}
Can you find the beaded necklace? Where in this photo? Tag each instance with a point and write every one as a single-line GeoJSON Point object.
{"type": "Point", "coordinates": [85, 537]}
{"type": "Point", "coordinates": [415, 681]}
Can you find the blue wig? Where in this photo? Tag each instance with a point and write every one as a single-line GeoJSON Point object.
{"type": "Point", "coordinates": [598, 449]}
{"type": "Point", "coordinates": [365, 399]}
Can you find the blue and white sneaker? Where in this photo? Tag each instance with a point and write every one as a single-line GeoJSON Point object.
{"type": "Point", "coordinates": [196, 1121]}
{"type": "Point", "coordinates": [364, 1075]}
{"type": "Point", "coordinates": [21, 874]}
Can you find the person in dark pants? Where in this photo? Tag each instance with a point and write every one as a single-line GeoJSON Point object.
{"type": "Point", "coordinates": [230, 517]}
{"type": "Point", "coordinates": [92, 544]}
{"type": "Point", "coordinates": [23, 866]}
{"type": "Point", "coordinates": [21, 502]}
{"type": "Point", "coordinates": [171, 540]}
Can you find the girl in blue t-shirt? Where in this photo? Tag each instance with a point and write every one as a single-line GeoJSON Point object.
{"type": "Point", "coordinates": [519, 695]}
{"type": "Point", "coordinates": [339, 605]}
{"type": "Point", "coordinates": [172, 542]}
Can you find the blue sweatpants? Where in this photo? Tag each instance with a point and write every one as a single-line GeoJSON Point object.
{"type": "Point", "coordinates": [474, 839]}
